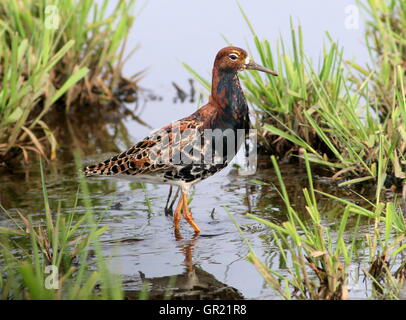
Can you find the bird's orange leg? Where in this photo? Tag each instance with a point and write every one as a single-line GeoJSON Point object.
{"type": "Point", "coordinates": [187, 214]}
{"type": "Point", "coordinates": [177, 216]}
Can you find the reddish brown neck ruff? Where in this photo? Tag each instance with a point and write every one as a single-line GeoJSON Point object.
{"type": "Point", "coordinates": [227, 95]}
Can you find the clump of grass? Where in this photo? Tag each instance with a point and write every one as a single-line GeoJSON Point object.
{"type": "Point", "coordinates": [69, 243]}
{"type": "Point", "coordinates": [349, 118]}
{"type": "Point", "coordinates": [317, 258]}
{"type": "Point", "coordinates": [385, 39]}
{"type": "Point", "coordinates": [339, 118]}
{"type": "Point", "coordinates": [281, 102]}
{"type": "Point", "coordinates": [64, 54]}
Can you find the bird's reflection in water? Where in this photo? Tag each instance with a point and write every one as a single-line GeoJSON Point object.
{"type": "Point", "coordinates": [193, 283]}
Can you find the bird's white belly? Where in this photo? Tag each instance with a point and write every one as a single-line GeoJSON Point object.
{"type": "Point", "coordinates": [154, 179]}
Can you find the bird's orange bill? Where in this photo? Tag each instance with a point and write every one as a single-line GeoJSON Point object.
{"type": "Point", "coordinates": [254, 66]}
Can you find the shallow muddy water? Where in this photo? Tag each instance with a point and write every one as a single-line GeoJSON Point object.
{"type": "Point", "coordinates": [140, 239]}
{"type": "Point", "coordinates": [141, 244]}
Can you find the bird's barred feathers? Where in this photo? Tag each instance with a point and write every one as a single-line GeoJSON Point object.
{"type": "Point", "coordinates": [150, 155]}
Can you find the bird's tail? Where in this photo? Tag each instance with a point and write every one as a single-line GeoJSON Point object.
{"type": "Point", "coordinates": [101, 168]}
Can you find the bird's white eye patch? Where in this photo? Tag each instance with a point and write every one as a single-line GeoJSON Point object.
{"type": "Point", "coordinates": [233, 56]}
{"type": "Point", "coordinates": [247, 60]}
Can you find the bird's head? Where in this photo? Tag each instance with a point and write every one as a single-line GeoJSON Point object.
{"type": "Point", "coordinates": [233, 59]}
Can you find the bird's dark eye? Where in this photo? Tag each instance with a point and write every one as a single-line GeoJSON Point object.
{"type": "Point", "coordinates": [233, 56]}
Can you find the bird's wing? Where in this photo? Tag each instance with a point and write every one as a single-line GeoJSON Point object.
{"type": "Point", "coordinates": [157, 152]}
